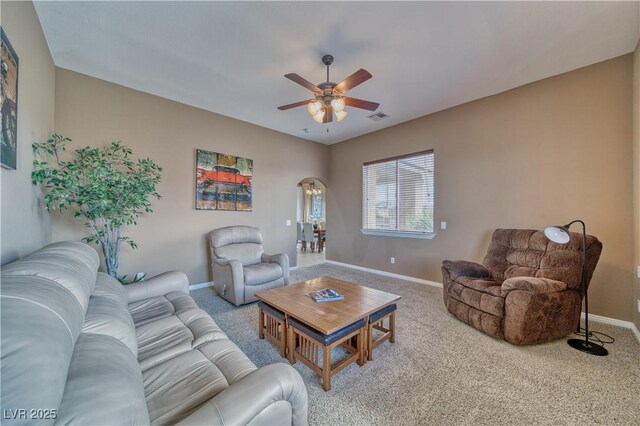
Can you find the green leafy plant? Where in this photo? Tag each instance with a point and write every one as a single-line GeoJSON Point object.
{"type": "Point", "coordinates": [136, 278]}
{"type": "Point", "coordinates": [104, 186]}
{"type": "Point", "coordinates": [423, 221]}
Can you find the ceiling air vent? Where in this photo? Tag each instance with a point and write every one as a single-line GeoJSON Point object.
{"type": "Point", "coordinates": [378, 116]}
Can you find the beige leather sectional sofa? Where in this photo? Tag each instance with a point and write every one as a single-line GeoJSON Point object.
{"type": "Point", "coordinates": [79, 348]}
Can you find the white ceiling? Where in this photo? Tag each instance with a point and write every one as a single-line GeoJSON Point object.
{"type": "Point", "coordinates": [230, 57]}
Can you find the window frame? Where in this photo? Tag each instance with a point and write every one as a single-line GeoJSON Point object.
{"type": "Point", "coordinates": [397, 233]}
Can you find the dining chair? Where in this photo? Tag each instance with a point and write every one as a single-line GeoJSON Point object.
{"type": "Point", "coordinates": [309, 235]}
{"type": "Point", "coordinates": [300, 237]}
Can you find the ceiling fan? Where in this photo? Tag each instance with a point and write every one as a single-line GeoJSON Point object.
{"type": "Point", "coordinates": [329, 97]}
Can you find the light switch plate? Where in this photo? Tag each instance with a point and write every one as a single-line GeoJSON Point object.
{"type": "Point", "coordinates": [443, 225]}
{"type": "Point", "coordinates": [288, 222]}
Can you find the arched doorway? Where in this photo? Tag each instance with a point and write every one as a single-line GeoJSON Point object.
{"type": "Point", "coordinates": [311, 222]}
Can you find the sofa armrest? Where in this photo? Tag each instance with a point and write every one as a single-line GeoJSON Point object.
{"type": "Point", "coordinates": [228, 280]}
{"type": "Point", "coordinates": [261, 397]}
{"type": "Point", "coordinates": [159, 285]}
{"type": "Point", "coordinates": [463, 268]}
{"type": "Point", "coordinates": [533, 285]}
{"type": "Point", "coordinates": [281, 259]}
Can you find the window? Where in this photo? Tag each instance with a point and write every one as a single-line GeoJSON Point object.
{"type": "Point", "coordinates": [397, 196]}
{"type": "Point", "coordinates": [316, 206]}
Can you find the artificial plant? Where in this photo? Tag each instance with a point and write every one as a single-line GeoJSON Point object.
{"type": "Point", "coordinates": [104, 186]}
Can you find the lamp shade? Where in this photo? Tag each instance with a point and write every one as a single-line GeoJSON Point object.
{"type": "Point", "coordinates": [314, 107]}
{"type": "Point", "coordinates": [340, 115]}
{"type": "Point", "coordinates": [319, 117]}
{"type": "Point", "coordinates": [338, 104]}
{"type": "Point", "coordinates": [557, 234]}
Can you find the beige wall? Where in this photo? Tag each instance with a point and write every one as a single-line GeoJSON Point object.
{"type": "Point", "coordinates": [636, 180]}
{"type": "Point", "coordinates": [25, 226]}
{"type": "Point", "coordinates": [540, 154]}
{"type": "Point", "coordinates": [94, 112]}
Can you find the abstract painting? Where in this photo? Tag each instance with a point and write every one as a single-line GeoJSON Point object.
{"type": "Point", "coordinates": [223, 182]}
{"type": "Point", "coordinates": [9, 104]}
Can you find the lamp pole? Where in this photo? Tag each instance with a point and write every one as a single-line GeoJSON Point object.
{"type": "Point", "coordinates": [579, 344]}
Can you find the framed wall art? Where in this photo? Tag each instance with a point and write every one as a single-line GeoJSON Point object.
{"type": "Point", "coordinates": [223, 182]}
{"type": "Point", "coordinates": [9, 104]}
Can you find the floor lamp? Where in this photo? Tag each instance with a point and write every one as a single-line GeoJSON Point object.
{"type": "Point", "coordinates": [560, 235]}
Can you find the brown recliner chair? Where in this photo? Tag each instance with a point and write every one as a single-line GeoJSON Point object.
{"type": "Point", "coordinates": [528, 290]}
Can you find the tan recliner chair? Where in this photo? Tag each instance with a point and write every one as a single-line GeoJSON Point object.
{"type": "Point", "coordinates": [240, 267]}
{"type": "Point", "coordinates": [528, 290]}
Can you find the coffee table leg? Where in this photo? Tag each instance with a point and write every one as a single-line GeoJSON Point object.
{"type": "Point", "coordinates": [326, 369]}
{"type": "Point", "coordinates": [392, 327]}
{"type": "Point", "coordinates": [261, 324]}
{"type": "Point", "coordinates": [361, 345]}
{"type": "Point", "coordinates": [291, 345]}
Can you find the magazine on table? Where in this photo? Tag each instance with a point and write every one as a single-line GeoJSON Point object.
{"type": "Point", "coordinates": [325, 295]}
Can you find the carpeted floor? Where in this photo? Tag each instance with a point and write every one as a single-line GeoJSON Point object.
{"type": "Point", "coordinates": [441, 371]}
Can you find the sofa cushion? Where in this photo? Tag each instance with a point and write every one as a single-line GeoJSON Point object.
{"type": "Point", "coordinates": [490, 324]}
{"type": "Point", "coordinates": [106, 315]}
{"type": "Point", "coordinates": [72, 265]}
{"type": "Point", "coordinates": [261, 273]}
{"type": "Point", "coordinates": [483, 295]}
{"type": "Point", "coordinates": [178, 386]}
{"type": "Point", "coordinates": [107, 286]}
{"type": "Point", "coordinates": [250, 291]}
{"type": "Point", "coordinates": [527, 252]}
{"type": "Point", "coordinates": [170, 336]}
{"type": "Point", "coordinates": [245, 253]}
{"type": "Point", "coordinates": [104, 385]}
{"type": "Point", "coordinates": [38, 316]}
{"type": "Point", "coordinates": [162, 339]}
{"type": "Point", "coordinates": [201, 325]}
{"type": "Point", "coordinates": [228, 358]}
{"type": "Point", "coordinates": [144, 311]}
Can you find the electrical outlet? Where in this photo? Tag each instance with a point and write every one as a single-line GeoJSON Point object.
{"type": "Point", "coordinates": [392, 260]}
{"type": "Point", "coordinates": [443, 225]}
{"type": "Point", "coordinates": [638, 305]}
{"type": "Point", "coordinates": [288, 222]}
{"type": "Point", "coordinates": [638, 271]}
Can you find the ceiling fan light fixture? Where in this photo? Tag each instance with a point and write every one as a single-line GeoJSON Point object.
{"type": "Point", "coordinates": [319, 117]}
{"type": "Point", "coordinates": [330, 97]}
{"type": "Point", "coordinates": [338, 105]}
{"type": "Point", "coordinates": [314, 107]}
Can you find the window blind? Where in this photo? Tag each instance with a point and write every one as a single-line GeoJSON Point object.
{"type": "Point", "coordinates": [398, 194]}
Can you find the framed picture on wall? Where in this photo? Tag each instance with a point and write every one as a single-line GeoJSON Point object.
{"type": "Point", "coordinates": [223, 182]}
{"type": "Point", "coordinates": [9, 104]}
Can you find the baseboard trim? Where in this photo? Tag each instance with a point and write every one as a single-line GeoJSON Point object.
{"type": "Point", "coordinates": [293, 268]}
{"type": "Point", "coordinates": [386, 274]}
{"type": "Point", "coordinates": [615, 322]}
{"type": "Point", "coordinates": [201, 285]}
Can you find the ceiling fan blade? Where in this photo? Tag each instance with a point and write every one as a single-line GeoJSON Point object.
{"type": "Point", "coordinates": [328, 116]}
{"type": "Point", "coordinates": [295, 104]}
{"type": "Point", "coordinates": [353, 80]}
{"type": "Point", "coordinates": [359, 103]}
{"type": "Point", "coordinates": [302, 82]}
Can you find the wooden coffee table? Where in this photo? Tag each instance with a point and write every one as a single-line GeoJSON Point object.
{"type": "Point", "coordinates": [326, 318]}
